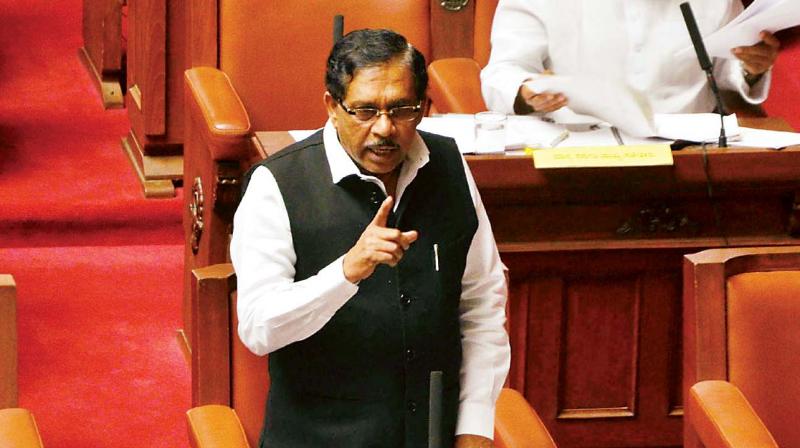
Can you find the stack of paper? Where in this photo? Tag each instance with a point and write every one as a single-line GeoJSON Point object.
{"type": "Point", "coordinates": [769, 15]}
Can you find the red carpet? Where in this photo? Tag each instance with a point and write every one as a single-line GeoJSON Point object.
{"type": "Point", "coordinates": [98, 267]}
{"type": "Point", "coordinates": [61, 163]}
{"type": "Point", "coordinates": [98, 362]}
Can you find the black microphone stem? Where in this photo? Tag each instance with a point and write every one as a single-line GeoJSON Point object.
{"type": "Point", "coordinates": [706, 65]}
{"type": "Point", "coordinates": [723, 139]}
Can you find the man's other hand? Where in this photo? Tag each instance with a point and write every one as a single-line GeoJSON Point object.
{"type": "Point", "coordinates": [757, 59]}
{"type": "Point", "coordinates": [377, 244]}
{"type": "Point", "coordinates": [528, 101]}
{"type": "Point", "coordinates": [473, 441]}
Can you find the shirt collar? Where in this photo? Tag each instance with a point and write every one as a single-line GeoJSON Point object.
{"type": "Point", "coordinates": [342, 165]}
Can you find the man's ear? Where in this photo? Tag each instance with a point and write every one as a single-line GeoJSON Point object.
{"type": "Point", "coordinates": [330, 105]}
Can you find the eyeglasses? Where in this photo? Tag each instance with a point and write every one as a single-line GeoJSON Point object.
{"type": "Point", "coordinates": [397, 114]}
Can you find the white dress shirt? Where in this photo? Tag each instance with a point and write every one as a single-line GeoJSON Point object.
{"type": "Point", "coordinates": [275, 311]}
{"type": "Point", "coordinates": [631, 41]}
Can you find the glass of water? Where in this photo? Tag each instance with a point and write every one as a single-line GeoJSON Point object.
{"type": "Point", "coordinates": [490, 132]}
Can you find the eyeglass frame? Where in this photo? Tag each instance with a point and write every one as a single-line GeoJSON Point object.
{"type": "Point", "coordinates": [378, 112]}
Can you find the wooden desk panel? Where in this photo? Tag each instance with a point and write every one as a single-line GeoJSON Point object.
{"type": "Point", "coordinates": [102, 50]}
{"type": "Point", "coordinates": [595, 260]}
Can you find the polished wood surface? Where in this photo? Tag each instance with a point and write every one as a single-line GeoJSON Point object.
{"type": "Point", "coordinates": [9, 391]}
{"type": "Point", "coordinates": [595, 275]}
{"type": "Point", "coordinates": [156, 61]}
{"type": "Point", "coordinates": [102, 50]}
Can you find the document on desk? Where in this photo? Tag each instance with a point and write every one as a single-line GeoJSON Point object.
{"type": "Point", "coordinates": [695, 127]}
{"type": "Point", "coordinates": [520, 131]}
{"type": "Point", "coordinates": [762, 138]}
{"type": "Point", "coordinates": [770, 15]}
{"type": "Point", "coordinates": [610, 101]}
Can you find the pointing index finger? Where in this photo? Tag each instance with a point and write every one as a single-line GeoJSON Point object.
{"type": "Point", "coordinates": [382, 216]}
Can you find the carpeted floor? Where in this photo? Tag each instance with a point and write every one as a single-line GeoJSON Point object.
{"type": "Point", "coordinates": [99, 364]}
{"type": "Point", "coordinates": [98, 267]}
{"type": "Point", "coordinates": [61, 163]}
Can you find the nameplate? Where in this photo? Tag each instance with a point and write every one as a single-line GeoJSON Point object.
{"type": "Point", "coordinates": [602, 156]}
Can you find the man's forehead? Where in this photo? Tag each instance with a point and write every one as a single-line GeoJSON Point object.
{"type": "Point", "coordinates": [376, 81]}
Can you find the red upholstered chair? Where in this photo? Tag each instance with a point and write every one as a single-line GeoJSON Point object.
{"type": "Point", "coordinates": [18, 429]}
{"type": "Point", "coordinates": [259, 66]}
{"type": "Point", "coordinates": [742, 331]}
{"type": "Point", "coordinates": [230, 384]}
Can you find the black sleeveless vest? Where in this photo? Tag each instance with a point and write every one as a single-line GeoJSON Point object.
{"type": "Point", "coordinates": [363, 379]}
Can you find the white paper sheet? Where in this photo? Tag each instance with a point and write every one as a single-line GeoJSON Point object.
{"type": "Point", "coordinates": [770, 15]}
{"type": "Point", "coordinates": [695, 127]}
{"type": "Point", "coordinates": [610, 101]}
{"type": "Point", "coordinates": [528, 130]}
{"type": "Point", "coordinates": [521, 130]}
{"type": "Point", "coordinates": [761, 138]}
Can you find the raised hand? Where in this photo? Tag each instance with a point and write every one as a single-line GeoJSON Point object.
{"type": "Point", "coordinates": [377, 244]}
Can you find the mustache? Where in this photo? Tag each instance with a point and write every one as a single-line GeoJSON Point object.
{"type": "Point", "coordinates": [383, 143]}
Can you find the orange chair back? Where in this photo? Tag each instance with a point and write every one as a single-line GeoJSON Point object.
{"type": "Point", "coordinates": [275, 52]}
{"type": "Point", "coordinates": [484, 15]}
{"type": "Point", "coordinates": [742, 325]}
{"type": "Point", "coordinates": [763, 315]}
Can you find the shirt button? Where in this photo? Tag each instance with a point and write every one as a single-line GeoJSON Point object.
{"type": "Point", "coordinates": [410, 354]}
{"type": "Point", "coordinates": [405, 300]}
{"type": "Point", "coordinates": [412, 407]}
{"type": "Point", "coordinates": [373, 197]}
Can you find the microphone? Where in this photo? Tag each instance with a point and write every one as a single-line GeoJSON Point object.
{"type": "Point", "coordinates": [338, 27]}
{"type": "Point", "coordinates": [706, 65]}
{"type": "Point", "coordinates": [435, 410]}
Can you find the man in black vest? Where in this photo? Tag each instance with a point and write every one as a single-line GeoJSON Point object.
{"type": "Point", "coordinates": [365, 262]}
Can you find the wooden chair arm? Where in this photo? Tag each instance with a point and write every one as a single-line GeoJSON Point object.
{"type": "Point", "coordinates": [454, 86]}
{"type": "Point", "coordinates": [8, 342]}
{"type": "Point", "coordinates": [721, 416]}
{"type": "Point", "coordinates": [215, 426]}
{"type": "Point", "coordinates": [211, 357]}
{"type": "Point", "coordinates": [517, 425]}
{"type": "Point", "coordinates": [214, 105]}
{"type": "Point", "coordinates": [18, 429]}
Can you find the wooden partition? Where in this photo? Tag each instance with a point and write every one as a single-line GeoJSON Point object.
{"type": "Point", "coordinates": [102, 52]}
{"type": "Point", "coordinates": [156, 61]}
{"type": "Point", "coordinates": [8, 342]}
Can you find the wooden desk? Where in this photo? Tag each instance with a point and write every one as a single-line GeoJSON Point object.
{"type": "Point", "coordinates": [595, 260]}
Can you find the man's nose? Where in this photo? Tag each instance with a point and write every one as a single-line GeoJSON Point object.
{"type": "Point", "coordinates": [383, 126]}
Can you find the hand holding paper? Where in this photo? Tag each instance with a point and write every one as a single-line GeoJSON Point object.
{"type": "Point", "coordinates": [745, 29]}
{"type": "Point", "coordinates": [611, 101]}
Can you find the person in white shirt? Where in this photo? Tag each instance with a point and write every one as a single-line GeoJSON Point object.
{"type": "Point", "coordinates": [629, 41]}
{"type": "Point", "coordinates": [365, 262]}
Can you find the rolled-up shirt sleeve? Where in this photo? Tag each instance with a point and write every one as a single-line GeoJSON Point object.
{"type": "Point", "coordinates": [484, 340]}
{"type": "Point", "coordinates": [273, 309]}
{"type": "Point", "coordinates": [519, 50]}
